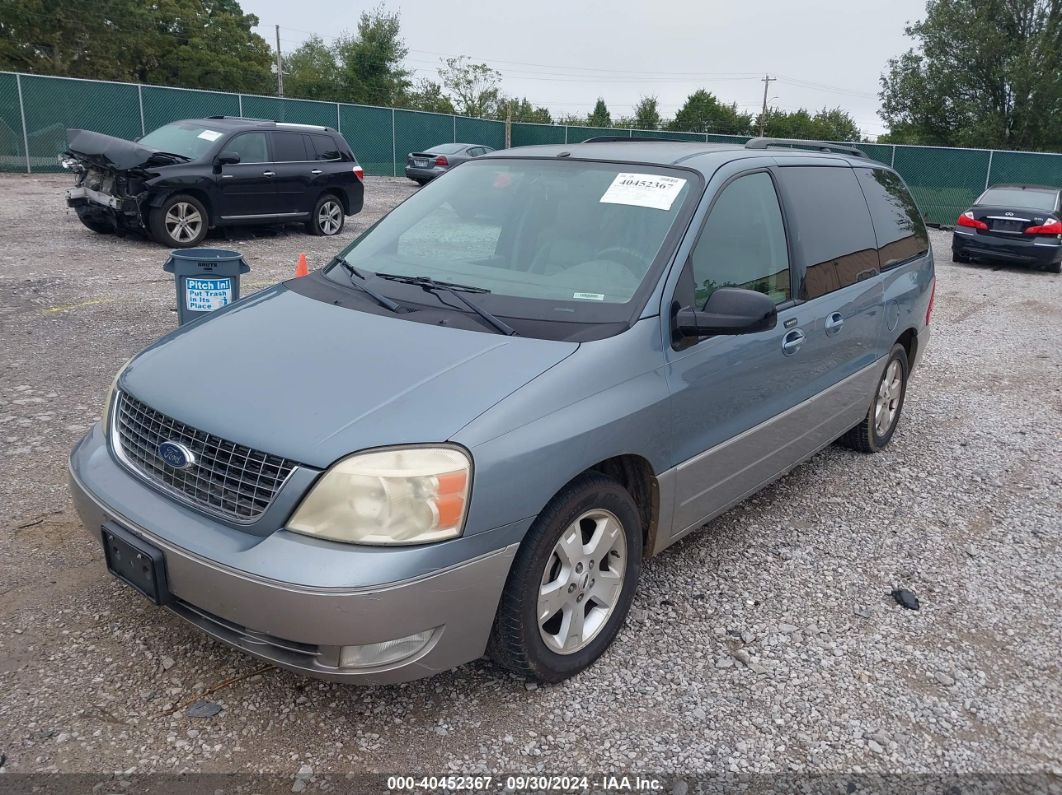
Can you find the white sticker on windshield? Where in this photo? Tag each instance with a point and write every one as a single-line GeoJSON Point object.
{"type": "Point", "coordinates": [209, 135]}
{"type": "Point", "coordinates": [589, 296]}
{"type": "Point", "coordinates": [643, 190]}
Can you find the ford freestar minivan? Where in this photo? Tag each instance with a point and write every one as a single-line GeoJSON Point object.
{"type": "Point", "coordinates": [466, 433]}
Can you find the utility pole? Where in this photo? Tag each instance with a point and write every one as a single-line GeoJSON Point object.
{"type": "Point", "coordinates": [767, 80]}
{"type": "Point", "coordinates": [280, 68]}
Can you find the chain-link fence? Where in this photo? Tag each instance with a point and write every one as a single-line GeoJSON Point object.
{"type": "Point", "coordinates": [35, 112]}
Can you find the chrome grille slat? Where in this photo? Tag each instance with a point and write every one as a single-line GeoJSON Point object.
{"type": "Point", "coordinates": [227, 479]}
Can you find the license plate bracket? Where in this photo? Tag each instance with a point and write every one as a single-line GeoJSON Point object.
{"type": "Point", "coordinates": [136, 563]}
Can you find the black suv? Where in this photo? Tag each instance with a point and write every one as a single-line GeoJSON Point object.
{"type": "Point", "coordinates": [192, 175]}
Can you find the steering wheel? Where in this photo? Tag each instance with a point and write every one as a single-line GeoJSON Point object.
{"type": "Point", "coordinates": [633, 260]}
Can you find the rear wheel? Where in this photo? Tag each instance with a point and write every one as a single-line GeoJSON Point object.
{"type": "Point", "coordinates": [873, 434]}
{"type": "Point", "coordinates": [1054, 267]}
{"type": "Point", "coordinates": [328, 216]}
{"type": "Point", "coordinates": [180, 222]}
{"type": "Point", "coordinates": [572, 582]}
{"type": "Point", "coordinates": [958, 256]}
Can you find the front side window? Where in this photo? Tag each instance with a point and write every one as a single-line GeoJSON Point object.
{"type": "Point", "coordinates": [565, 236]}
{"type": "Point", "coordinates": [898, 224]}
{"type": "Point", "coordinates": [831, 227]}
{"type": "Point", "coordinates": [251, 147]}
{"type": "Point", "coordinates": [743, 242]}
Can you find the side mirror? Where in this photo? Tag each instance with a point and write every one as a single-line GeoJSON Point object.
{"type": "Point", "coordinates": [729, 310]}
{"type": "Point", "coordinates": [228, 158]}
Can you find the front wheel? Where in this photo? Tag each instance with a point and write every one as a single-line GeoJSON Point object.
{"type": "Point", "coordinates": [873, 434]}
{"type": "Point", "coordinates": [180, 222]}
{"type": "Point", "coordinates": [328, 216]}
{"type": "Point", "coordinates": [572, 582]}
{"type": "Point", "coordinates": [98, 225]}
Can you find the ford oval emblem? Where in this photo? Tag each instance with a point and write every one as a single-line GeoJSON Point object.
{"type": "Point", "coordinates": [176, 455]}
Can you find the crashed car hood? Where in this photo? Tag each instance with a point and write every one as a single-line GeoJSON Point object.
{"type": "Point", "coordinates": [110, 152]}
{"type": "Point", "coordinates": [313, 382]}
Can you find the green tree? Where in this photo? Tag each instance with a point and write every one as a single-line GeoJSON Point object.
{"type": "Point", "coordinates": [311, 71]}
{"type": "Point", "coordinates": [825, 125]}
{"type": "Point", "coordinates": [647, 114]}
{"type": "Point", "coordinates": [192, 43]}
{"type": "Point", "coordinates": [370, 61]}
{"type": "Point", "coordinates": [981, 73]}
{"type": "Point", "coordinates": [599, 116]}
{"type": "Point", "coordinates": [428, 95]}
{"type": "Point", "coordinates": [475, 88]}
{"type": "Point", "coordinates": [522, 110]}
{"type": "Point", "coordinates": [702, 112]}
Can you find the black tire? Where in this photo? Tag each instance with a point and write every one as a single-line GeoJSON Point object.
{"type": "Point", "coordinates": [328, 216]}
{"type": "Point", "coordinates": [957, 256]}
{"type": "Point", "coordinates": [421, 182]}
{"type": "Point", "coordinates": [516, 641]}
{"type": "Point", "coordinates": [98, 225]}
{"type": "Point", "coordinates": [164, 222]}
{"type": "Point", "coordinates": [866, 436]}
{"type": "Point", "coordinates": [1054, 267]}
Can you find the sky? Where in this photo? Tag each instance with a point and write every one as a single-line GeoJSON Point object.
{"type": "Point", "coordinates": [564, 55]}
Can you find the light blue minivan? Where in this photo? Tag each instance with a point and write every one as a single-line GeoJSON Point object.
{"type": "Point", "coordinates": [466, 434]}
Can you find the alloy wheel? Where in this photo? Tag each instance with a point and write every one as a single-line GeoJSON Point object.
{"type": "Point", "coordinates": [330, 217]}
{"type": "Point", "coordinates": [887, 403]}
{"type": "Point", "coordinates": [183, 222]}
{"type": "Point", "coordinates": [582, 581]}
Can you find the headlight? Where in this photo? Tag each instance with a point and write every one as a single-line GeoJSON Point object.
{"type": "Point", "coordinates": [108, 401]}
{"type": "Point", "coordinates": [409, 495]}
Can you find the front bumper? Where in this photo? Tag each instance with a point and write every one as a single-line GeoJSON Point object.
{"type": "Point", "coordinates": [294, 622]}
{"type": "Point", "coordinates": [1028, 250]}
{"type": "Point", "coordinates": [122, 211]}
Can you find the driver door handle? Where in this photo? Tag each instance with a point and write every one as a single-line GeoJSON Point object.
{"type": "Point", "coordinates": [269, 173]}
{"type": "Point", "coordinates": [834, 323]}
{"type": "Point", "coordinates": [792, 341]}
{"type": "Point", "coordinates": [317, 171]}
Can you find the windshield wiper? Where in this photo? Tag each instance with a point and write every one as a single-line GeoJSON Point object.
{"type": "Point", "coordinates": [382, 300]}
{"type": "Point", "coordinates": [455, 290]}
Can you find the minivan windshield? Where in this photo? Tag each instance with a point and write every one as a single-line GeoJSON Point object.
{"type": "Point", "coordinates": [189, 139]}
{"type": "Point", "coordinates": [1019, 198]}
{"type": "Point", "coordinates": [547, 232]}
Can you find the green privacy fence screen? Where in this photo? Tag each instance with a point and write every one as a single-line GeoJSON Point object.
{"type": "Point", "coordinates": [35, 112]}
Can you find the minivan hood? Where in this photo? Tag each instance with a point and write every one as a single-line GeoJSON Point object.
{"type": "Point", "coordinates": [106, 151]}
{"type": "Point", "coordinates": [313, 382]}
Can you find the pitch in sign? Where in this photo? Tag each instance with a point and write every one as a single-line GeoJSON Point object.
{"type": "Point", "coordinates": [206, 295]}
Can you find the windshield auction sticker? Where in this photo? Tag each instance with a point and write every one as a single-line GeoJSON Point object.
{"type": "Point", "coordinates": [643, 190]}
{"type": "Point", "coordinates": [209, 135]}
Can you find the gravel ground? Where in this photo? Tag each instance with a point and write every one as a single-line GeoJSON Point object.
{"type": "Point", "coordinates": [766, 643]}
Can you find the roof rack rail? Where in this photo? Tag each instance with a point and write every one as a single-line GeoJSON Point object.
{"type": "Point", "coordinates": [242, 118]}
{"type": "Point", "coordinates": [798, 143]}
{"type": "Point", "coordinates": [612, 139]}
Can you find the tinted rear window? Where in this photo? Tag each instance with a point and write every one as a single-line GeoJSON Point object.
{"type": "Point", "coordinates": [898, 223]}
{"type": "Point", "coordinates": [830, 226]}
{"type": "Point", "coordinates": [446, 149]}
{"type": "Point", "coordinates": [1019, 198]}
{"type": "Point", "coordinates": [288, 147]}
{"type": "Point", "coordinates": [325, 148]}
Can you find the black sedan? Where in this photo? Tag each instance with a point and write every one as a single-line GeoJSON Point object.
{"type": "Point", "coordinates": [1012, 223]}
{"type": "Point", "coordinates": [422, 167]}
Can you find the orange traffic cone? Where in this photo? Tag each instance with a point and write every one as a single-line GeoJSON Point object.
{"type": "Point", "coordinates": [301, 269]}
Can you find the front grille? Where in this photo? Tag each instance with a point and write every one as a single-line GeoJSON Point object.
{"type": "Point", "coordinates": [226, 479]}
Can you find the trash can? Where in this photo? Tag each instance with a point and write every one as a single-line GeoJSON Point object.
{"type": "Point", "coordinates": [206, 278]}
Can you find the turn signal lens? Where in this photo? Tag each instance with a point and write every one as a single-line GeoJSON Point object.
{"type": "Point", "coordinates": [967, 219]}
{"type": "Point", "coordinates": [359, 172]}
{"type": "Point", "coordinates": [1052, 226]}
{"type": "Point", "coordinates": [410, 495]}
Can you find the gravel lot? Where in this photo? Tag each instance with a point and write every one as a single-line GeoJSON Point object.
{"type": "Point", "coordinates": [766, 643]}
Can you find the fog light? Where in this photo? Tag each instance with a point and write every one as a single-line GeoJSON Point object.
{"type": "Point", "coordinates": [389, 651]}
